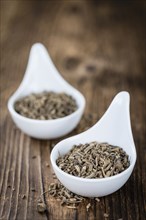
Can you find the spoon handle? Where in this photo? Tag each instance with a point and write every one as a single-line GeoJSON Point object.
{"type": "Point", "coordinates": [115, 123]}
{"type": "Point", "coordinates": [41, 74]}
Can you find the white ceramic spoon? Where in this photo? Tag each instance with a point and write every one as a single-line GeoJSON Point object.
{"type": "Point", "coordinates": [41, 75]}
{"type": "Point", "coordinates": [115, 128]}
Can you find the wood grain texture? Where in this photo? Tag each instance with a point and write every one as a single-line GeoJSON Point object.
{"type": "Point", "coordinates": [99, 47]}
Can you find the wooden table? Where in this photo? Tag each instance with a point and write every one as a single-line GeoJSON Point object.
{"type": "Point", "coordinates": [99, 47]}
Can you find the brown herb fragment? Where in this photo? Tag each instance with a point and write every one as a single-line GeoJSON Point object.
{"type": "Point", "coordinates": [88, 206]}
{"type": "Point", "coordinates": [71, 207]}
{"type": "Point", "coordinates": [97, 199]}
{"type": "Point", "coordinates": [23, 196]}
{"type": "Point", "coordinates": [33, 189]}
{"type": "Point", "coordinates": [47, 165]}
{"type": "Point", "coordinates": [106, 215]}
{"type": "Point", "coordinates": [41, 207]}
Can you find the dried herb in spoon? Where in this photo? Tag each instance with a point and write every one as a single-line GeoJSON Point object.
{"type": "Point", "coordinates": [46, 105]}
{"type": "Point", "coordinates": [94, 160]}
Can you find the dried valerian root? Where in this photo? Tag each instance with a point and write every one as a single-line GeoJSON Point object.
{"type": "Point", "coordinates": [23, 196]}
{"type": "Point", "coordinates": [46, 105]}
{"type": "Point", "coordinates": [94, 160]}
{"type": "Point", "coordinates": [68, 198]}
{"type": "Point", "coordinates": [65, 196]}
{"type": "Point", "coordinates": [106, 215]}
{"type": "Point", "coordinates": [88, 206]}
{"type": "Point", "coordinates": [41, 206]}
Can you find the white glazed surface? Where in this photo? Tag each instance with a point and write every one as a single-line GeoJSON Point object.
{"type": "Point", "coordinates": [41, 75]}
{"type": "Point", "coordinates": [115, 128]}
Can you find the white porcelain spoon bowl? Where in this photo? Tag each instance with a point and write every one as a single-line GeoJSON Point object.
{"type": "Point", "coordinates": [115, 128]}
{"type": "Point", "coordinates": [41, 75]}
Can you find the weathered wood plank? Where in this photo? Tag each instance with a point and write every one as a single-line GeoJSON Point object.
{"type": "Point", "coordinates": [99, 47]}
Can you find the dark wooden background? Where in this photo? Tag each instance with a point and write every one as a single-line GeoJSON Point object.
{"type": "Point", "coordinates": [99, 47]}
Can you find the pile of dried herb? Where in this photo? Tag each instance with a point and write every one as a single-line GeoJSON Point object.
{"type": "Point", "coordinates": [46, 105]}
{"type": "Point", "coordinates": [68, 198]}
{"type": "Point", "coordinates": [94, 160]}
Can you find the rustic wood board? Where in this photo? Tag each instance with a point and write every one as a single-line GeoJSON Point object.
{"type": "Point", "coordinates": [99, 47]}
